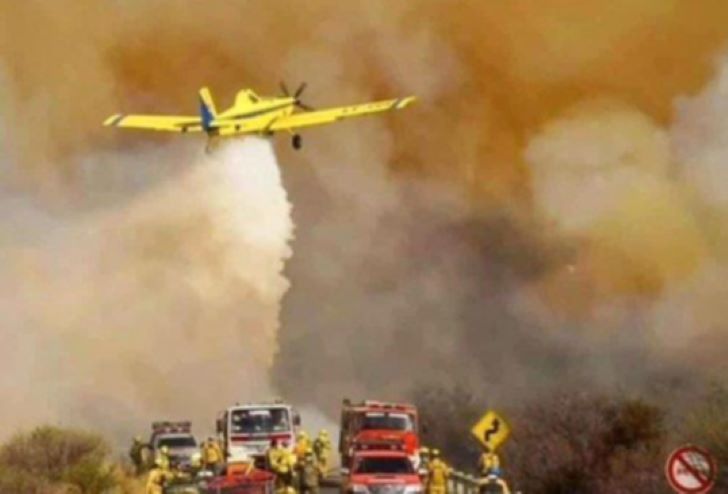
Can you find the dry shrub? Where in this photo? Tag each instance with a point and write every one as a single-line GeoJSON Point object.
{"type": "Point", "coordinates": [53, 460]}
{"type": "Point", "coordinates": [580, 443]}
{"type": "Point", "coordinates": [567, 444]}
{"type": "Point", "coordinates": [446, 416]}
{"type": "Point", "coordinates": [707, 426]}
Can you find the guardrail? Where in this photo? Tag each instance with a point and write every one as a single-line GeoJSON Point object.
{"type": "Point", "coordinates": [463, 483]}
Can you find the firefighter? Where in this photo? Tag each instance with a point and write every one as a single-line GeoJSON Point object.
{"type": "Point", "coordinates": [156, 481]}
{"type": "Point", "coordinates": [273, 454]}
{"type": "Point", "coordinates": [308, 473]}
{"type": "Point", "coordinates": [212, 456]}
{"type": "Point", "coordinates": [303, 444]}
{"type": "Point", "coordinates": [437, 474]}
{"type": "Point", "coordinates": [196, 462]}
{"type": "Point", "coordinates": [162, 459]}
{"type": "Point", "coordinates": [322, 450]}
{"type": "Point", "coordinates": [135, 453]}
{"type": "Point", "coordinates": [284, 469]}
{"type": "Point", "coordinates": [291, 461]}
{"type": "Point", "coordinates": [424, 458]}
{"type": "Point", "coordinates": [489, 463]}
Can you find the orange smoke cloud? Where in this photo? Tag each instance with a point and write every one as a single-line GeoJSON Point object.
{"type": "Point", "coordinates": [553, 117]}
{"type": "Point", "coordinates": [488, 73]}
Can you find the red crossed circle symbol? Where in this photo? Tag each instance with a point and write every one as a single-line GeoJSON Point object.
{"type": "Point", "coordinates": [691, 470]}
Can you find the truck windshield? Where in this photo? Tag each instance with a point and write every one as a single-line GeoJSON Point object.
{"type": "Point", "coordinates": [177, 442]}
{"type": "Point", "coordinates": [373, 465]}
{"type": "Point", "coordinates": [391, 421]}
{"type": "Point", "coordinates": [259, 421]}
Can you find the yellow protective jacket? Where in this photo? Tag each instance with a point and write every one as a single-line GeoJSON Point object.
{"type": "Point", "coordinates": [211, 454]}
{"type": "Point", "coordinates": [162, 461]}
{"type": "Point", "coordinates": [438, 473]}
{"type": "Point", "coordinates": [155, 481]}
{"type": "Point", "coordinates": [273, 456]}
{"type": "Point", "coordinates": [284, 463]}
{"type": "Point", "coordinates": [322, 448]}
{"type": "Point", "coordinates": [488, 462]}
{"type": "Point", "coordinates": [302, 446]}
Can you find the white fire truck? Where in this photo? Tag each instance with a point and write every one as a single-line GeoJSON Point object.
{"type": "Point", "coordinates": [247, 430]}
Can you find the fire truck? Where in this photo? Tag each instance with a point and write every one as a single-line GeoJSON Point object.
{"type": "Point", "coordinates": [378, 425]}
{"type": "Point", "coordinates": [247, 430]}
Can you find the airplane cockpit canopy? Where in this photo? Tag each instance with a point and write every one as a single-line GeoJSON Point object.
{"type": "Point", "coordinates": [246, 96]}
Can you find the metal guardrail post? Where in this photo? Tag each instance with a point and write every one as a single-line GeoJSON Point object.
{"type": "Point", "coordinates": [460, 483]}
{"type": "Point", "coordinates": [471, 484]}
{"type": "Point", "coordinates": [456, 485]}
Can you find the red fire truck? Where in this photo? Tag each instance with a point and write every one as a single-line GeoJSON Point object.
{"type": "Point", "coordinates": [379, 425]}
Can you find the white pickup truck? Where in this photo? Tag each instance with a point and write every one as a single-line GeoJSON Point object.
{"type": "Point", "coordinates": [178, 438]}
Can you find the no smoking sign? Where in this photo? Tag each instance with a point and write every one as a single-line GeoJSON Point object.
{"type": "Point", "coordinates": [691, 470]}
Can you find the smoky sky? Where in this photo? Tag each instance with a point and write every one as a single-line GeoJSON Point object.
{"type": "Point", "coordinates": [552, 210]}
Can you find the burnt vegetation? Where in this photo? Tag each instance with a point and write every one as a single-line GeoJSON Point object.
{"type": "Point", "coordinates": [579, 443]}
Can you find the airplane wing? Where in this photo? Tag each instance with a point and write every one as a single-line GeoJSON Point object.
{"type": "Point", "coordinates": [331, 115]}
{"type": "Point", "coordinates": [162, 123]}
{"type": "Point", "coordinates": [311, 118]}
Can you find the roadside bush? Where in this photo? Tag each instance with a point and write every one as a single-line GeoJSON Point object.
{"type": "Point", "coordinates": [573, 443]}
{"type": "Point", "coordinates": [55, 460]}
{"type": "Point", "coordinates": [707, 426]}
{"type": "Point", "coordinates": [447, 415]}
{"type": "Point", "coordinates": [584, 444]}
{"type": "Point", "coordinates": [15, 482]}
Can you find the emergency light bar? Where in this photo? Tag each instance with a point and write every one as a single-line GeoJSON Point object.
{"type": "Point", "coordinates": [386, 405]}
{"type": "Point", "coordinates": [373, 403]}
{"type": "Point", "coordinates": [167, 426]}
{"type": "Point", "coordinates": [379, 446]}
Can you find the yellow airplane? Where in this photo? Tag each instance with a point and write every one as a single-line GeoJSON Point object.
{"type": "Point", "coordinates": [253, 114]}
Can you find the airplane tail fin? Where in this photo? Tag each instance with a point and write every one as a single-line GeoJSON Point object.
{"type": "Point", "coordinates": [207, 108]}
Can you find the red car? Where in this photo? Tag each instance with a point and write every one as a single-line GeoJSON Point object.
{"type": "Point", "coordinates": [381, 472]}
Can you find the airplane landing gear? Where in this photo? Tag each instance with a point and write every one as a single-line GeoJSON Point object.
{"type": "Point", "coordinates": [297, 141]}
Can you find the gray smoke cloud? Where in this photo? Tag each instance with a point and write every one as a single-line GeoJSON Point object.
{"type": "Point", "coordinates": [611, 282]}
{"type": "Point", "coordinates": [162, 302]}
{"type": "Point", "coordinates": [534, 221]}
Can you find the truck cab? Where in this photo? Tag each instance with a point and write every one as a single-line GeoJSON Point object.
{"type": "Point", "coordinates": [379, 425]}
{"type": "Point", "coordinates": [380, 471]}
{"type": "Point", "coordinates": [247, 430]}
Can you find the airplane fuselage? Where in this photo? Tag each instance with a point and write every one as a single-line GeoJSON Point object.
{"type": "Point", "coordinates": [244, 115]}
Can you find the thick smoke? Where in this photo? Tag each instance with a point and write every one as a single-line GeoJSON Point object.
{"type": "Point", "coordinates": [165, 305]}
{"type": "Point", "coordinates": [543, 215]}
{"type": "Point", "coordinates": [578, 257]}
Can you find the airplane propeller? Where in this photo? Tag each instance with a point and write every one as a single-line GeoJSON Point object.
{"type": "Point", "coordinates": [296, 140]}
{"type": "Point", "coordinates": [297, 96]}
